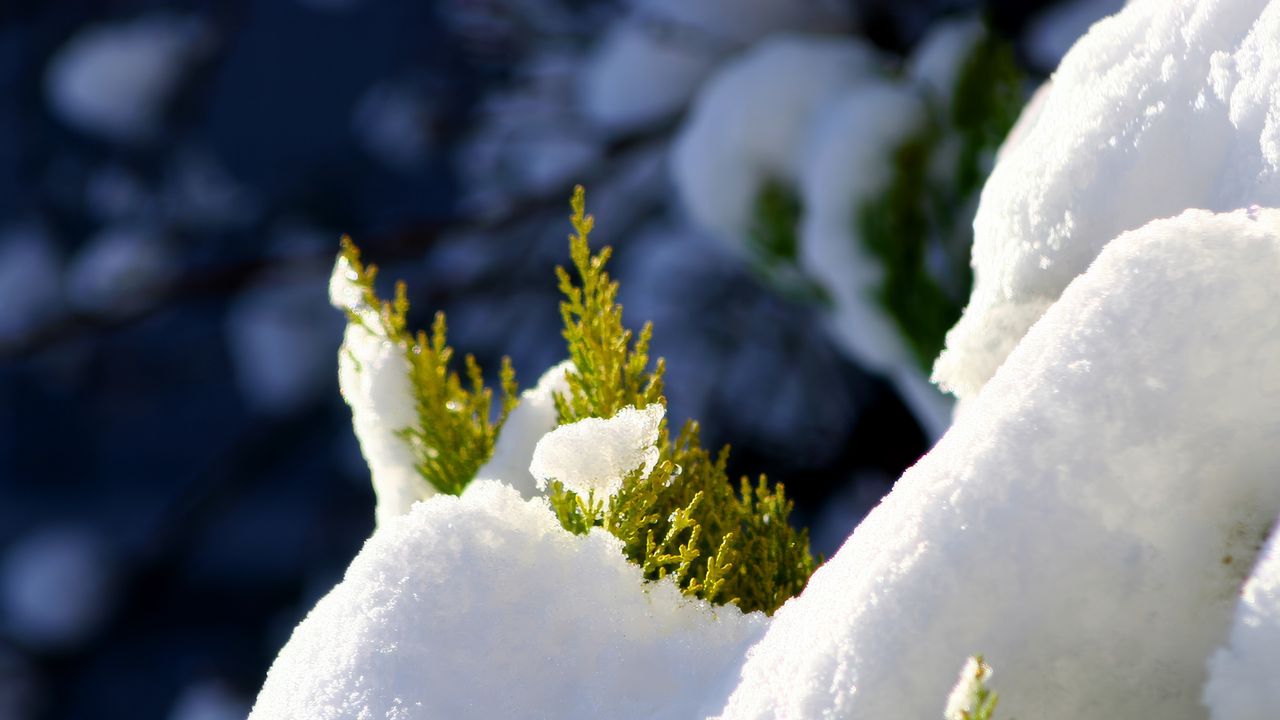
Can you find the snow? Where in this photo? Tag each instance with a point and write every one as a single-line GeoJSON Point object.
{"type": "Point", "coordinates": [373, 375]}
{"type": "Point", "coordinates": [114, 80]}
{"type": "Point", "coordinates": [534, 417]}
{"type": "Point", "coordinates": [1242, 676]}
{"type": "Point", "coordinates": [30, 282]}
{"type": "Point", "coordinates": [1108, 153]}
{"type": "Point", "coordinates": [56, 587]}
{"type": "Point", "coordinates": [484, 606]}
{"type": "Point", "coordinates": [1086, 523]}
{"type": "Point", "coordinates": [750, 123]}
{"type": "Point", "coordinates": [653, 61]}
{"type": "Point", "coordinates": [119, 270]}
{"type": "Point", "coordinates": [848, 164]}
{"type": "Point", "coordinates": [594, 455]}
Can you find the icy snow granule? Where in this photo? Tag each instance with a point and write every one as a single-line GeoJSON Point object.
{"type": "Point", "coordinates": [1168, 105]}
{"type": "Point", "coordinates": [114, 80]}
{"type": "Point", "coordinates": [1073, 525]}
{"type": "Point", "coordinates": [483, 606]}
{"type": "Point", "coordinates": [533, 418]}
{"type": "Point", "coordinates": [1244, 676]}
{"type": "Point", "coordinates": [595, 455]}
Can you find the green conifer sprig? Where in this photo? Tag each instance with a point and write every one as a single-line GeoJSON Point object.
{"type": "Point", "coordinates": [455, 433]}
{"type": "Point", "coordinates": [685, 519]}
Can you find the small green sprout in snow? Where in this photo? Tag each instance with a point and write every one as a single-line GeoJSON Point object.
{"type": "Point", "coordinates": [971, 699]}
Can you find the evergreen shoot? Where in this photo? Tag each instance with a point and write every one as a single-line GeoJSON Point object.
{"type": "Point", "coordinates": [455, 431]}
{"type": "Point", "coordinates": [685, 519]}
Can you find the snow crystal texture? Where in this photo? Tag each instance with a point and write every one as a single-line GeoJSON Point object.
{"type": "Point", "coordinates": [1167, 105]}
{"type": "Point", "coordinates": [483, 606]}
{"type": "Point", "coordinates": [1086, 523]}
{"type": "Point", "coordinates": [594, 455]}
{"type": "Point", "coordinates": [1244, 677]}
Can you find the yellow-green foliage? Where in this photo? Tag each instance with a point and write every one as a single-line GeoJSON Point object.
{"type": "Point", "coordinates": [454, 434]}
{"type": "Point", "coordinates": [685, 519]}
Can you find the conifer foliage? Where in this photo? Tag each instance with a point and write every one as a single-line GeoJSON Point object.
{"type": "Point", "coordinates": [685, 518]}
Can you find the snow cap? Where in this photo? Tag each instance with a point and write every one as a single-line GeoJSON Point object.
{"type": "Point", "coordinates": [595, 455]}
{"type": "Point", "coordinates": [1087, 521]}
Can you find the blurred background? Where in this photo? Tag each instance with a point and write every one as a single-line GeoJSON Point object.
{"type": "Point", "coordinates": [179, 481]}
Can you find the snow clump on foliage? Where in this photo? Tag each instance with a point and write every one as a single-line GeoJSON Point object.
{"type": "Point", "coordinates": [750, 123]}
{"type": "Point", "coordinates": [1109, 152]}
{"type": "Point", "coordinates": [373, 375]}
{"type": "Point", "coordinates": [484, 606]}
{"type": "Point", "coordinates": [593, 455]}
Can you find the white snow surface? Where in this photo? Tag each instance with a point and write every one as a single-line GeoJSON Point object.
{"type": "Point", "coordinates": [653, 60]}
{"type": "Point", "coordinates": [483, 606]}
{"type": "Point", "coordinates": [750, 123]}
{"type": "Point", "coordinates": [373, 375]}
{"type": "Point", "coordinates": [1243, 675]}
{"type": "Point", "coordinates": [1167, 105]}
{"type": "Point", "coordinates": [1052, 31]}
{"type": "Point", "coordinates": [534, 417]}
{"type": "Point", "coordinates": [594, 455]}
{"type": "Point", "coordinates": [114, 80]}
{"type": "Point", "coordinates": [1087, 522]}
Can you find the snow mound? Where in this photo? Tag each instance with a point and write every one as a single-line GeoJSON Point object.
{"type": "Point", "coordinates": [114, 80]}
{"type": "Point", "coordinates": [595, 455]}
{"type": "Point", "coordinates": [1086, 523]}
{"type": "Point", "coordinates": [750, 123]}
{"type": "Point", "coordinates": [1242, 676]}
{"type": "Point", "coordinates": [534, 417]}
{"type": "Point", "coordinates": [373, 376]}
{"type": "Point", "coordinates": [483, 606]}
{"type": "Point", "coordinates": [1109, 153]}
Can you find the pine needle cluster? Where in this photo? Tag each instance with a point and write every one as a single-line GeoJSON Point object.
{"type": "Point", "coordinates": [918, 228]}
{"type": "Point", "coordinates": [685, 519]}
{"type": "Point", "coordinates": [455, 432]}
